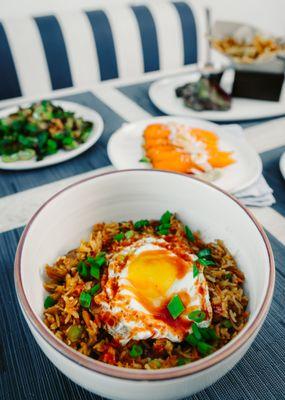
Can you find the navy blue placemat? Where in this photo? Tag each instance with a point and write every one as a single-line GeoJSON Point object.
{"type": "Point", "coordinates": [26, 374]}
{"type": "Point", "coordinates": [139, 94]}
{"type": "Point", "coordinates": [272, 174]}
{"type": "Point", "coordinates": [96, 157]}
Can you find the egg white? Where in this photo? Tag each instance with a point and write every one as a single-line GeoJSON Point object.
{"type": "Point", "coordinates": [133, 320]}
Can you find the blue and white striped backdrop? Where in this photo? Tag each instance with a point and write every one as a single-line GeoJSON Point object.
{"type": "Point", "coordinates": [44, 53]}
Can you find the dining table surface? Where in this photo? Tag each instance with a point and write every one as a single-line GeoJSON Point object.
{"type": "Point", "coordinates": [25, 372]}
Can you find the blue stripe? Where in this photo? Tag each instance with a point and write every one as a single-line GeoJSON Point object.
{"type": "Point", "coordinates": [104, 42]}
{"type": "Point", "coordinates": [189, 31]}
{"type": "Point", "coordinates": [138, 93]}
{"type": "Point", "coordinates": [9, 86]}
{"type": "Point", "coordinates": [148, 38]}
{"type": "Point", "coordinates": [55, 51]}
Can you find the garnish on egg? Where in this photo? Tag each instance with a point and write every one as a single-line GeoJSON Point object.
{"type": "Point", "coordinates": [197, 316]}
{"type": "Point", "coordinates": [175, 306]}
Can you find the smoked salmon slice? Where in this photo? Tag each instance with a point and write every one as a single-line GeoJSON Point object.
{"type": "Point", "coordinates": [179, 148]}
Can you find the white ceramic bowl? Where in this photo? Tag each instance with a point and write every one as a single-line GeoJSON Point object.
{"type": "Point", "coordinates": [67, 217]}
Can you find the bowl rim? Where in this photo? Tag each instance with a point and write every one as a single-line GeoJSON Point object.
{"type": "Point", "coordinates": [128, 373]}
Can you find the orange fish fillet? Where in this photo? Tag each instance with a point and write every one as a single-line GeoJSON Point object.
{"type": "Point", "coordinates": [164, 154]}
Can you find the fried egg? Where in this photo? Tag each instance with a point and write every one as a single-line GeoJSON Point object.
{"type": "Point", "coordinates": [142, 279]}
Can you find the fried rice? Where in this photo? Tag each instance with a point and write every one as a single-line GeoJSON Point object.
{"type": "Point", "coordinates": [81, 327]}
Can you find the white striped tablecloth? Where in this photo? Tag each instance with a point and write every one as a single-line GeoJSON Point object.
{"type": "Point", "coordinates": [25, 373]}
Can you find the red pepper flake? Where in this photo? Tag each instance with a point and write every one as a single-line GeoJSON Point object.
{"type": "Point", "coordinates": [109, 356]}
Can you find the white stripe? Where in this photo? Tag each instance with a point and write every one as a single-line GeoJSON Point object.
{"type": "Point", "coordinates": [18, 208]}
{"type": "Point", "coordinates": [267, 136]}
{"type": "Point", "coordinates": [127, 41]}
{"type": "Point", "coordinates": [29, 56]}
{"type": "Point", "coordinates": [169, 35]}
{"type": "Point", "coordinates": [80, 47]}
{"type": "Point", "coordinates": [272, 221]}
{"type": "Point", "coordinates": [121, 104]}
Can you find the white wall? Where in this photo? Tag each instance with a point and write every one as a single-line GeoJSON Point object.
{"type": "Point", "coordinates": [266, 14]}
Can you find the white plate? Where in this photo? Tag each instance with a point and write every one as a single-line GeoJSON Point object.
{"type": "Point", "coordinates": [80, 111]}
{"type": "Point", "coordinates": [282, 165]}
{"type": "Point", "coordinates": [125, 150]}
{"type": "Point", "coordinates": [162, 94]}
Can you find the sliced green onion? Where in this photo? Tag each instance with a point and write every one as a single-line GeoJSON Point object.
{"type": "Point", "coordinates": [141, 224]}
{"type": "Point", "coordinates": [212, 333]}
{"type": "Point", "coordinates": [181, 361]}
{"type": "Point", "coordinates": [94, 289]}
{"type": "Point", "coordinates": [95, 271]}
{"type": "Point", "coordinates": [191, 339]}
{"type": "Point", "coordinates": [196, 332]}
{"type": "Point", "coordinates": [204, 253]}
{"type": "Point", "coordinates": [204, 348]}
{"type": "Point", "coordinates": [197, 316]}
{"type": "Point", "coordinates": [189, 234]}
{"type": "Point", "coordinates": [145, 160]}
{"type": "Point", "coordinates": [162, 231]}
{"type": "Point", "coordinates": [129, 234]}
{"type": "Point", "coordinates": [163, 228]}
{"type": "Point", "coordinates": [208, 333]}
{"type": "Point", "coordinates": [205, 262]}
{"type": "Point", "coordinates": [228, 276]}
{"type": "Point", "coordinates": [195, 270]}
{"type": "Point", "coordinates": [99, 260]}
{"type": "Point", "coordinates": [136, 351]}
{"type": "Point", "coordinates": [85, 299]}
{"type": "Point", "coordinates": [165, 218]}
{"type": "Point", "coordinates": [83, 269]}
{"type": "Point", "coordinates": [49, 302]}
{"type": "Point", "coordinates": [119, 237]}
{"type": "Point", "coordinates": [227, 323]}
{"type": "Point", "coordinates": [74, 332]}
{"type": "Point", "coordinates": [175, 306]}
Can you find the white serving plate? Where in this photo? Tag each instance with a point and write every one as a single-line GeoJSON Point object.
{"type": "Point", "coordinates": [61, 156]}
{"type": "Point", "coordinates": [125, 150]}
{"type": "Point", "coordinates": [282, 165]}
{"type": "Point", "coordinates": [162, 94]}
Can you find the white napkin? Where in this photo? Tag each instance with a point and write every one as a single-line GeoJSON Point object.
{"type": "Point", "coordinates": [259, 194]}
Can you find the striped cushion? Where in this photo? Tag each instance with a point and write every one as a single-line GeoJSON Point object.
{"type": "Point", "coordinates": [44, 53]}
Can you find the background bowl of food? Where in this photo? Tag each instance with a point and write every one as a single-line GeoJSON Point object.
{"type": "Point", "coordinates": [255, 58]}
{"type": "Point", "coordinates": [162, 297]}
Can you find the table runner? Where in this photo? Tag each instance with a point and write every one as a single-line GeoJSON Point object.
{"type": "Point", "coordinates": [25, 373]}
{"type": "Point", "coordinates": [139, 94]}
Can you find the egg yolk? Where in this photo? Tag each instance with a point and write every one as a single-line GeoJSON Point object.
{"type": "Point", "coordinates": [153, 272]}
